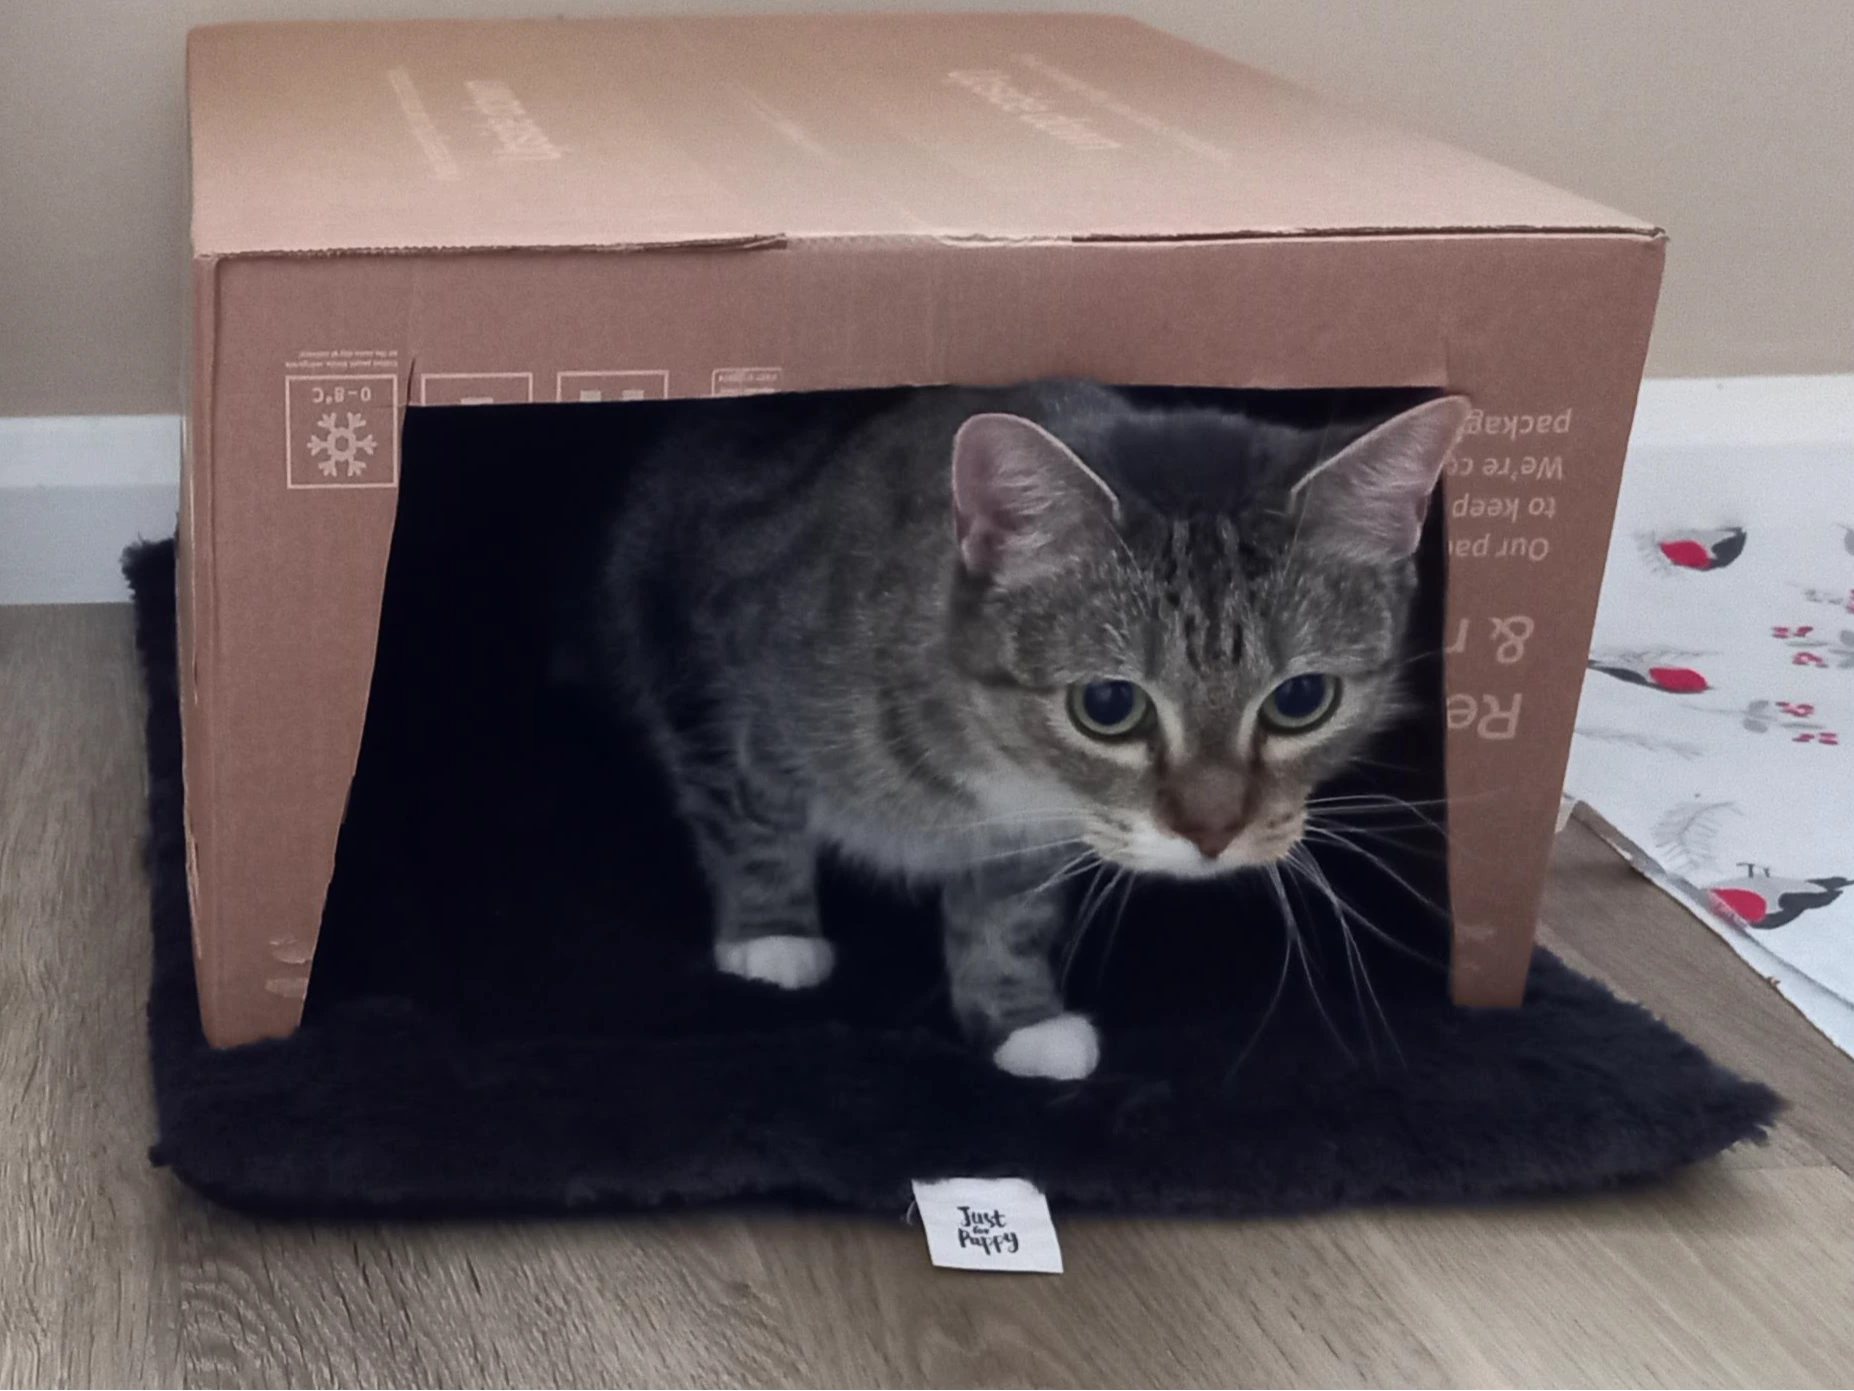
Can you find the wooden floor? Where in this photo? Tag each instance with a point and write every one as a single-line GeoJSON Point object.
{"type": "Point", "coordinates": [1741, 1272]}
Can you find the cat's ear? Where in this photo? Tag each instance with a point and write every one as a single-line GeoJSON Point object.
{"type": "Point", "coordinates": [1022, 500]}
{"type": "Point", "coordinates": [1368, 501]}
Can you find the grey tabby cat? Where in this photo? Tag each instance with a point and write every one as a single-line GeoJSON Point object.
{"type": "Point", "coordinates": [976, 635]}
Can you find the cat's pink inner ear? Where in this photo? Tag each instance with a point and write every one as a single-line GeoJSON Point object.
{"type": "Point", "coordinates": [1368, 501]}
{"type": "Point", "coordinates": [1019, 496]}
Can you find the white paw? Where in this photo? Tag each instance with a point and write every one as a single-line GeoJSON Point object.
{"type": "Point", "coordinates": [1065, 1049]}
{"type": "Point", "coordinates": [791, 963]}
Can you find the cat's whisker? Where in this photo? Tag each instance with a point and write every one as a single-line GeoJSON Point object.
{"type": "Point", "coordinates": [1361, 974]}
{"type": "Point", "coordinates": [1070, 869]}
{"type": "Point", "coordinates": [1327, 835]}
{"type": "Point", "coordinates": [1421, 654]}
{"type": "Point", "coordinates": [1384, 822]}
{"type": "Point", "coordinates": [1357, 972]}
{"type": "Point", "coordinates": [1000, 827]}
{"type": "Point", "coordinates": [1382, 806]}
{"type": "Point", "coordinates": [1362, 760]}
{"type": "Point", "coordinates": [1084, 917]}
{"type": "Point", "coordinates": [1073, 870]}
{"type": "Point", "coordinates": [1123, 881]}
{"type": "Point", "coordinates": [1303, 860]}
{"type": "Point", "coordinates": [1374, 799]}
{"type": "Point", "coordinates": [1014, 818]}
{"type": "Point", "coordinates": [1361, 971]}
{"type": "Point", "coordinates": [1354, 969]}
{"type": "Point", "coordinates": [1306, 963]}
{"type": "Point", "coordinates": [1384, 825]}
{"type": "Point", "coordinates": [1452, 800]}
{"type": "Point", "coordinates": [1268, 1012]}
{"type": "Point", "coordinates": [1364, 974]}
{"type": "Point", "coordinates": [1386, 835]}
{"type": "Point", "coordinates": [1018, 852]}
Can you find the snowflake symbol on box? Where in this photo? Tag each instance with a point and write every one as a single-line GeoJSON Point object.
{"type": "Point", "coordinates": [341, 446]}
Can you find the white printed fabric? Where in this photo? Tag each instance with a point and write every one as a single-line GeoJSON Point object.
{"type": "Point", "coordinates": [1716, 731]}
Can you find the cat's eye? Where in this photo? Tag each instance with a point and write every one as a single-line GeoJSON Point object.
{"type": "Point", "coordinates": [1109, 709]}
{"type": "Point", "coordinates": [1301, 703]}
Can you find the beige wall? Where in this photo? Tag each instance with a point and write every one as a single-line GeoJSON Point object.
{"type": "Point", "coordinates": [1727, 121]}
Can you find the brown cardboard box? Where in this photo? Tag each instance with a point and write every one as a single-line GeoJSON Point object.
{"type": "Point", "coordinates": [399, 214]}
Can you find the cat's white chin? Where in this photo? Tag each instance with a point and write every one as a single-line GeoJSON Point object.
{"type": "Point", "coordinates": [1153, 851]}
{"type": "Point", "coordinates": [791, 963]}
{"type": "Point", "coordinates": [1063, 1049]}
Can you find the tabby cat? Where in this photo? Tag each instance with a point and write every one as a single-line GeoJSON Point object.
{"type": "Point", "coordinates": [978, 637]}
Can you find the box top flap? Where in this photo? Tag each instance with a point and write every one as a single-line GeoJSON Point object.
{"type": "Point", "coordinates": [742, 131]}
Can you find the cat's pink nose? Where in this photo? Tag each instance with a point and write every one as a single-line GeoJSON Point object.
{"type": "Point", "coordinates": [1203, 809]}
{"type": "Point", "coordinates": [1212, 841]}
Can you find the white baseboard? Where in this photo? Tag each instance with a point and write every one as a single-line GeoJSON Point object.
{"type": "Point", "coordinates": [75, 490]}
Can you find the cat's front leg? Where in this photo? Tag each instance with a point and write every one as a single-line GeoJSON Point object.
{"type": "Point", "coordinates": [1002, 921]}
{"type": "Point", "coordinates": [761, 867]}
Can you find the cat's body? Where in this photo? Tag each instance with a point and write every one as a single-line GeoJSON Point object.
{"type": "Point", "coordinates": [870, 634]}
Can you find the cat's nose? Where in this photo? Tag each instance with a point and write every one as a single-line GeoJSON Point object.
{"type": "Point", "coordinates": [1205, 808]}
{"type": "Point", "coordinates": [1212, 841]}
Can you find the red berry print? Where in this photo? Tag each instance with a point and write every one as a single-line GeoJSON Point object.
{"type": "Point", "coordinates": [1803, 739]}
{"type": "Point", "coordinates": [1742, 903]}
{"type": "Point", "coordinates": [1679, 680]}
{"type": "Point", "coordinates": [1828, 736]}
{"type": "Point", "coordinates": [1807, 659]}
{"type": "Point", "coordinates": [1690, 554]}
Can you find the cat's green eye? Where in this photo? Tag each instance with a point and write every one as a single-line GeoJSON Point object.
{"type": "Point", "coordinates": [1109, 709]}
{"type": "Point", "coordinates": [1300, 703]}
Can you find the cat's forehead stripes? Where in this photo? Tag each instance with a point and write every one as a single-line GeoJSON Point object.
{"type": "Point", "coordinates": [1200, 591]}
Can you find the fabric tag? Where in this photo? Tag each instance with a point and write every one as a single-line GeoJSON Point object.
{"type": "Point", "coordinates": [988, 1224]}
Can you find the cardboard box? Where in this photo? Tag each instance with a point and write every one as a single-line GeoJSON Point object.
{"type": "Point", "coordinates": [393, 215]}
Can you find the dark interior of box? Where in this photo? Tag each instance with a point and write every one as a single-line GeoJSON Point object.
{"type": "Point", "coordinates": [510, 864]}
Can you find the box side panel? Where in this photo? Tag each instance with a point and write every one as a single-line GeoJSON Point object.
{"type": "Point", "coordinates": [290, 581]}
{"type": "Point", "coordinates": [195, 612]}
{"type": "Point", "coordinates": [318, 358]}
{"type": "Point", "coordinates": [1550, 344]}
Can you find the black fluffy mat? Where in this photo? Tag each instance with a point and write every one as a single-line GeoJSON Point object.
{"type": "Point", "coordinates": [512, 1009]}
